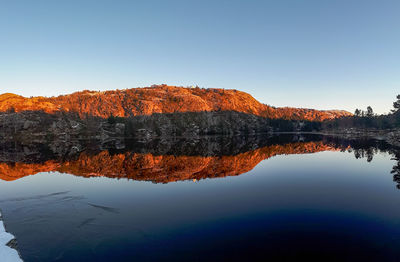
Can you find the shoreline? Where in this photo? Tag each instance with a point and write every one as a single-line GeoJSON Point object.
{"type": "Point", "coordinates": [390, 136]}
{"type": "Point", "coordinates": [8, 250]}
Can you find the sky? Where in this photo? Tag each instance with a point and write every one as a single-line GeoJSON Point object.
{"type": "Point", "coordinates": [337, 54]}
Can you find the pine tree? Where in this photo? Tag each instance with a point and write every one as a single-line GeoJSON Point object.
{"type": "Point", "coordinates": [370, 112]}
{"type": "Point", "coordinates": [396, 104]}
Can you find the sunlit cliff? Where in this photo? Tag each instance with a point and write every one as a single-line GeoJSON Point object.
{"type": "Point", "coordinates": [159, 99]}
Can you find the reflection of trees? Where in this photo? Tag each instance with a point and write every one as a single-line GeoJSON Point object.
{"type": "Point", "coordinates": [369, 150]}
{"type": "Point", "coordinates": [396, 169]}
{"type": "Point", "coordinates": [365, 153]}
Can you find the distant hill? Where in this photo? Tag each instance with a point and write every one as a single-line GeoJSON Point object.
{"type": "Point", "coordinates": [160, 99]}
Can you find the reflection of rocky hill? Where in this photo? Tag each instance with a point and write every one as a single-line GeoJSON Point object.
{"type": "Point", "coordinates": [167, 168]}
{"type": "Point", "coordinates": [159, 168]}
{"type": "Point", "coordinates": [14, 171]}
{"type": "Point", "coordinates": [159, 99]}
{"type": "Point", "coordinates": [163, 161]}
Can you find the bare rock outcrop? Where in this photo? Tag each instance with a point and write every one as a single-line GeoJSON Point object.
{"type": "Point", "coordinates": [160, 99]}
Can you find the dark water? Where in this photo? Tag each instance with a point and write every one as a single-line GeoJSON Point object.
{"type": "Point", "coordinates": [287, 199]}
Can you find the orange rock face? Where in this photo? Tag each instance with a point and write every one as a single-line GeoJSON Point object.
{"type": "Point", "coordinates": [159, 99]}
{"type": "Point", "coordinates": [160, 169]}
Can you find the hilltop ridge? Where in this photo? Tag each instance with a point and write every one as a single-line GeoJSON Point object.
{"type": "Point", "coordinates": [160, 99]}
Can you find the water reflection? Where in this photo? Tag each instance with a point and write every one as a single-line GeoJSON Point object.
{"type": "Point", "coordinates": [164, 161]}
{"type": "Point", "coordinates": [396, 169]}
{"type": "Point", "coordinates": [326, 206]}
{"type": "Point", "coordinates": [366, 149]}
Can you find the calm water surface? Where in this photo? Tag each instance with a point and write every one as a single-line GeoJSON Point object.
{"type": "Point", "coordinates": [319, 203]}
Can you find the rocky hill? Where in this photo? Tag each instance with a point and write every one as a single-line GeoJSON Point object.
{"type": "Point", "coordinates": [159, 99]}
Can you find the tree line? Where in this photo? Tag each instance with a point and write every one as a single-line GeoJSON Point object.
{"type": "Point", "coordinates": [367, 119]}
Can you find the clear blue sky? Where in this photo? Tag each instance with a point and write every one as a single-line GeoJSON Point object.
{"type": "Point", "coordinates": [319, 54]}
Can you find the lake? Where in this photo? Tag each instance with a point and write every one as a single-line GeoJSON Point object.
{"type": "Point", "coordinates": [280, 198]}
